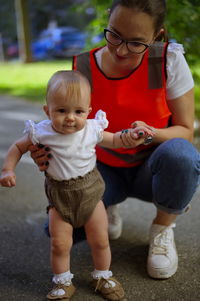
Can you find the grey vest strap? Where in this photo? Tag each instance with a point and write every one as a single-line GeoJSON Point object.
{"type": "Point", "coordinates": [83, 65]}
{"type": "Point", "coordinates": [155, 60]}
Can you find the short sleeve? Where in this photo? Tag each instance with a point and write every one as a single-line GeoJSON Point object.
{"type": "Point", "coordinates": [100, 116]}
{"type": "Point", "coordinates": [179, 77]}
{"type": "Point", "coordinates": [98, 124]}
{"type": "Point", "coordinates": [30, 129]}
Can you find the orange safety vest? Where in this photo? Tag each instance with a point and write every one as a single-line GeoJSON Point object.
{"type": "Point", "coordinates": [139, 96]}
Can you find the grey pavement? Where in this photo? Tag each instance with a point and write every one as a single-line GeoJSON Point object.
{"type": "Point", "coordinates": [25, 273]}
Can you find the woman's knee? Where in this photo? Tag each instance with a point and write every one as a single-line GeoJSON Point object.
{"type": "Point", "coordinates": [175, 167]}
{"type": "Point", "coordinates": [175, 154]}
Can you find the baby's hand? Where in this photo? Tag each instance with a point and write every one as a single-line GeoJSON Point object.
{"type": "Point", "coordinates": [8, 178]}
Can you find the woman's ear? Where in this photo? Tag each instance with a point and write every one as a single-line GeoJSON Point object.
{"type": "Point", "coordinates": [89, 110]}
{"type": "Point", "coordinates": [160, 35]}
{"type": "Point", "coordinates": [46, 110]}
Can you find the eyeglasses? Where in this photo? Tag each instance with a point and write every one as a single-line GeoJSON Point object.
{"type": "Point", "coordinates": [133, 46]}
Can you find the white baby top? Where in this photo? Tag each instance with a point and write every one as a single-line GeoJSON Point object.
{"type": "Point", "coordinates": [73, 154]}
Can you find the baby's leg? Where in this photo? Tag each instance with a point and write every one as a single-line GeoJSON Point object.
{"type": "Point", "coordinates": [61, 242]}
{"type": "Point", "coordinates": [97, 236]}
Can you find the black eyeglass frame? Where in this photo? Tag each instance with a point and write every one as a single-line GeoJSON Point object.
{"type": "Point", "coordinates": [125, 41]}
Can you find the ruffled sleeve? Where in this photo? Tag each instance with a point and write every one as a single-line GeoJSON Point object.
{"type": "Point", "coordinates": [97, 125]}
{"type": "Point", "coordinates": [175, 47]}
{"type": "Point", "coordinates": [100, 116]}
{"type": "Point", "coordinates": [30, 129]}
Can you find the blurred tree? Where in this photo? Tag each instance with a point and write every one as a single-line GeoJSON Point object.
{"type": "Point", "coordinates": [23, 30]}
{"type": "Point", "coordinates": [98, 22]}
{"type": "Point", "coordinates": [183, 19]}
{"type": "Point", "coordinates": [39, 14]}
{"type": "Point", "coordinates": [7, 24]}
{"type": "Point", "coordinates": [62, 11]}
{"type": "Point", "coordinates": [183, 23]}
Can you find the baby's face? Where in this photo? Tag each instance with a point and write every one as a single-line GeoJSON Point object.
{"type": "Point", "coordinates": [69, 114]}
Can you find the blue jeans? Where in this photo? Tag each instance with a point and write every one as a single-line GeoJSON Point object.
{"type": "Point", "coordinates": [168, 178]}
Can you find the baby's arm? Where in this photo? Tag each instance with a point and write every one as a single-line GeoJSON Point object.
{"type": "Point", "coordinates": [111, 140]}
{"type": "Point", "coordinates": [129, 138]}
{"type": "Point", "coordinates": [16, 150]}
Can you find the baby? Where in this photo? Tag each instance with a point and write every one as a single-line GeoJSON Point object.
{"type": "Point", "coordinates": [73, 185]}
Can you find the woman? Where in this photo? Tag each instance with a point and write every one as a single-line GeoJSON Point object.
{"type": "Point", "coordinates": [139, 81]}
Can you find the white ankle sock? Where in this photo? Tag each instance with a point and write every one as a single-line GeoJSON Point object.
{"type": "Point", "coordinates": [96, 274]}
{"type": "Point", "coordinates": [63, 278]}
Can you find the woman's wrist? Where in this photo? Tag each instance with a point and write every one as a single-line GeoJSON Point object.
{"type": "Point", "coordinates": [150, 138]}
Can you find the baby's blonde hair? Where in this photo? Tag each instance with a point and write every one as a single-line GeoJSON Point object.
{"type": "Point", "coordinates": [66, 83]}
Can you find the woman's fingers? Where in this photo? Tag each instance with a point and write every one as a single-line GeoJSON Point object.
{"type": "Point", "coordinates": [135, 136]}
{"type": "Point", "coordinates": [41, 155]}
{"type": "Point", "coordinates": [43, 166]}
{"type": "Point", "coordinates": [138, 123]}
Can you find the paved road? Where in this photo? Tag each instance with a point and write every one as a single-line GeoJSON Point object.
{"type": "Point", "coordinates": [25, 273]}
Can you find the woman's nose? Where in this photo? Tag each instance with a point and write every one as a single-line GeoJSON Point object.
{"type": "Point", "coordinates": [122, 49]}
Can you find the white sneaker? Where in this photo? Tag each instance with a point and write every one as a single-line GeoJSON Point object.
{"type": "Point", "coordinates": [162, 259]}
{"type": "Point", "coordinates": [114, 222]}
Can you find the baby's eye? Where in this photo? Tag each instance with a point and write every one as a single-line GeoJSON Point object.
{"type": "Point", "coordinates": [61, 110]}
{"type": "Point", "coordinates": [78, 112]}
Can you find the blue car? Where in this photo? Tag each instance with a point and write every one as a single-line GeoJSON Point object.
{"type": "Point", "coordinates": [58, 42]}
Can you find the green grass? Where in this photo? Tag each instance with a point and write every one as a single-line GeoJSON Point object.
{"type": "Point", "coordinates": [29, 80]}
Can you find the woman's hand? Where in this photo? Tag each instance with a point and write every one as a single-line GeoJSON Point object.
{"type": "Point", "coordinates": [41, 155]}
{"type": "Point", "coordinates": [141, 123]}
{"type": "Point", "coordinates": [136, 136]}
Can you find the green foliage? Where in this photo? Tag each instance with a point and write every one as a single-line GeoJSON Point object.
{"type": "Point", "coordinates": [182, 22]}
{"type": "Point", "coordinates": [29, 80]}
{"type": "Point", "coordinates": [7, 20]}
{"type": "Point", "coordinates": [40, 12]}
{"type": "Point", "coordinates": [196, 75]}
{"type": "Point", "coordinates": [99, 22]}
{"type": "Point", "coordinates": [62, 11]}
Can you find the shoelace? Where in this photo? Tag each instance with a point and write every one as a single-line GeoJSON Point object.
{"type": "Point", "coordinates": [101, 282]}
{"type": "Point", "coordinates": [161, 241]}
{"type": "Point", "coordinates": [59, 286]}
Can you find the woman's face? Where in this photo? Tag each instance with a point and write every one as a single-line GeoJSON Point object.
{"type": "Point", "coordinates": [130, 25]}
